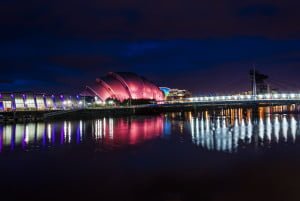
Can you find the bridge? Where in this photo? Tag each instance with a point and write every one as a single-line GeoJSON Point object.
{"type": "Point", "coordinates": [260, 96]}
{"type": "Point", "coordinates": [238, 100]}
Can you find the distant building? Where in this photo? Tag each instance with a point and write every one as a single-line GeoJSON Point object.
{"type": "Point", "coordinates": [175, 94]}
{"type": "Point", "coordinates": [38, 101]}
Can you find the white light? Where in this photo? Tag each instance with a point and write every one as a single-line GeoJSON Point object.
{"type": "Point", "coordinates": [268, 96]}
{"type": "Point", "coordinates": [283, 95]}
{"type": "Point", "coordinates": [64, 102]}
{"type": "Point", "coordinates": [292, 95]}
{"type": "Point", "coordinates": [242, 97]}
{"type": "Point", "coordinates": [260, 96]}
{"type": "Point", "coordinates": [69, 102]}
{"type": "Point", "coordinates": [248, 96]}
{"type": "Point", "coordinates": [80, 103]}
{"type": "Point", "coordinates": [275, 95]}
{"type": "Point", "coordinates": [98, 102]}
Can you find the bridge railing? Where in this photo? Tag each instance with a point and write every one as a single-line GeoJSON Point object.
{"type": "Point", "coordinates": [282, 96]}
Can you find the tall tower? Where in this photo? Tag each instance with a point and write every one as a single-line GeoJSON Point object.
{"type": "Point", "coordinates": [258, 82]}
{"type": "Point", "coordinates": [253, 74]}
{"type": "Point", "coordinates": [254, 89]}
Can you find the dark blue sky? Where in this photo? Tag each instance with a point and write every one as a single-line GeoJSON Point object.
{"type": "Point", "coordinates": [205, 46]}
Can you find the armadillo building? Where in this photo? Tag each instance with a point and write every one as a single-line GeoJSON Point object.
{"type": "Point", "coordinates": [122, 86]}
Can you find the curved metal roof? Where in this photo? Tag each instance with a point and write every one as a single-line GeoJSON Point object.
{"type": "Point", "coordinates": [125, 85]}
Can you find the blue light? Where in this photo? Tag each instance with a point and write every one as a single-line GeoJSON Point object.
{"type": "Point", "coordinates": [165, 90]}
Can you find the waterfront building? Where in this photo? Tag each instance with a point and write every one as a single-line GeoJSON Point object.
{"type": "Point", "coordinates": [49, 101]}
{"type": "Point", "coordinates": [165, 90]}
{"type": "Point", "coordinates": [175, 94]}
{"type": "Point", "coordinates": [38, 101]}
{"type": "Point", "coordinates": [30, 101]}
{"type": "Point", "coordinates": [19, 102]}
{"type": "Point", "coordinates": [6, 103]}
{"type": "Point", "coordinates": [122, 86]}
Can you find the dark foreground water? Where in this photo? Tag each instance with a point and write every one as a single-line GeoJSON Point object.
{"type": "Point", "coordinates": [224, 155]}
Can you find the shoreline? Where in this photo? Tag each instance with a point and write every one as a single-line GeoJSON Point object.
{"type": "Point", "coordinates": [92, 113]}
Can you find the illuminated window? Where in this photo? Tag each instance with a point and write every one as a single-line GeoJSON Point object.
{"type": "Point", "coordinates": [30, 103]}
{"type": "Point", "coordinates": [19, 103]}
{"type": "Point", "coordinates": [40, 103]}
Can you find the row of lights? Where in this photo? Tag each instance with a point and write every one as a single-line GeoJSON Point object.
{"type": "Point", "coordinates": [97, 101]}
{"type": "Point", "coordinates": [246, 97]}
{"type": "Point", "coordinates": [68, 102]}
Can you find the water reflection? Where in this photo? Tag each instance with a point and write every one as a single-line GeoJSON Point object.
{"type": "Point", "coordinates": [106, 131]}
{"type": "Point", "coordinates": [229, 133]}
{"type": "Point", "coordinates": [225, 131]}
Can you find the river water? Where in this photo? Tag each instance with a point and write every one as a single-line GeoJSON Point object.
{"type": "Point", "coordinates": [216, 155]}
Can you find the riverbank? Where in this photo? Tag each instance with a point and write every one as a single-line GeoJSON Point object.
{"type": "Point", "coordinates": [91, 113]}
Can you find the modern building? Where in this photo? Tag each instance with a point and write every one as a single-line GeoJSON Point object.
{"type": "Point", "coordinates": [6, 101]}
{"type": "Point", "coordinates": [165, 90]}
{"type": "Point", "coordinates": [38, 101]}
{"type": "Point", "coordinates": [175, 94]}
{"type": "Point", "coordinates": [122, 86]}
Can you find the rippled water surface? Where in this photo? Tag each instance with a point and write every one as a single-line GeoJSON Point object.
{"type": "Point", "coordinates": [224, 133]}
{"type": "Point", "coordinates": [176, 156]}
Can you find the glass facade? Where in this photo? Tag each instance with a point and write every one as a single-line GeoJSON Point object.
{"type": "Point", "coordinates": [19, 102]}
{"type": "Point", "coordinates": [23, 101]}
{"type": "Point", "coordinates": [7, 105]}
{"type": "Point", "coordinates": [40, 102]}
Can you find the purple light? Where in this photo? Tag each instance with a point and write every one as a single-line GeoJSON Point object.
{"type": "Point", "coordinates": [1, 138]}
{"type": "Point", "coordinates": [53, 134]}
{"type": "Point", "coordinates": [62, 135]}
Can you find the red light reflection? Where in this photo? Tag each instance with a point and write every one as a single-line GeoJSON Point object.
{"type": "Point", "coordinates": [131, 130]}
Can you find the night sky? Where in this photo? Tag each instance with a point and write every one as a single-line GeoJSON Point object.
{"type": "Point", "coordinates": [203, 45]}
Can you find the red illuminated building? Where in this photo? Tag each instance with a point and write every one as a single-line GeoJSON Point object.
{"type": "Point", "coordinates": [124, 85]}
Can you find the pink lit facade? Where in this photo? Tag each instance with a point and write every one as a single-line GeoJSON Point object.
{"type": "Point", "coordinates": [123, 86]}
